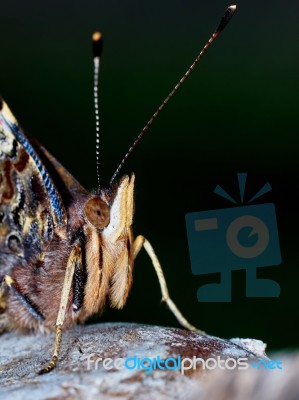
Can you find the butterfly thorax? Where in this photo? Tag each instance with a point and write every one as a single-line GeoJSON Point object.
{"type": "Point", "coordinates": [104, 272]}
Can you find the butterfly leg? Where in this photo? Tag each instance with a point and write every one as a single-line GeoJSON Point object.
{"type": "Point", "coordinates": [2, 296]}
{"type": "Point", "coordinates": [3, 316]}
{"type": "Point", "coordinates": [74, 258]}
{"type": "Point", "coordinates": [8, 283]}
{"type": "Point", "coordinates": [140, 242]}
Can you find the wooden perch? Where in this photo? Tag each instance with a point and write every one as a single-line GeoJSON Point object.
{"type": "Point", "coordinates": [22, 356]}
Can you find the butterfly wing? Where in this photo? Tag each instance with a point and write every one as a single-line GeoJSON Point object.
{"type": "Point", "coordinates": [30, 204]}
{"type": "Point", "coordinates": [68, 187]}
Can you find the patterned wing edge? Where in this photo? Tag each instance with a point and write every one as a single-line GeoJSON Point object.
{"type": "Point", "coordinates": [9, 121]}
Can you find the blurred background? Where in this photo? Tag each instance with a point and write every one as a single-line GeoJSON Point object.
{"type": "Point", "coordinates": [238, 112]}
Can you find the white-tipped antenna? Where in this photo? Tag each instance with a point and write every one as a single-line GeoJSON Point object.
{"type": "Point", "coordinates": [97, 47]}
{"type": "Point", "coordinates": [224, 21]}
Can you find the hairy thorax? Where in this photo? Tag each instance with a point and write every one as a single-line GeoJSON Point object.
{"type": "Point", "coordinates": [102, 275]}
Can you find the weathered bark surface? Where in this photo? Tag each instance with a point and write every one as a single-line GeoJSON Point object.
{"type": "Point", "coordinates": [253, 384]}
{"type": "Point", "coordinates": [22, 356]}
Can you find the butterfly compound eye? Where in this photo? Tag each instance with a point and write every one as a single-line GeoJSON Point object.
{"type": "Point", "coordinates": [97, 212]}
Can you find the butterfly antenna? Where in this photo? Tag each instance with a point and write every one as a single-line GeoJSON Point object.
{"type": "Point", "coordinates": [224, 21]}
{"type": "Point", "coordinates": [97, 47]}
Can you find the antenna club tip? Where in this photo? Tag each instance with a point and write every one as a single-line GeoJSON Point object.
{"type": "Point", "coordinates": [97, 44]}
{"type": "Point", "coordinates": [96, 36]}
{"type": "Point", "coordinates": [226, 18]}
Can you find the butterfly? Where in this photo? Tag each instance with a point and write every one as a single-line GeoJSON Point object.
{"type": "Point", "coordinates": [65, 252]}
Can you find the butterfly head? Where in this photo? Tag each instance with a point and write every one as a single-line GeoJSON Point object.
{"type": "Point", "coordinates": [111, 210]}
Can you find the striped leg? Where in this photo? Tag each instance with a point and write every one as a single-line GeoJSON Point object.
{"type": "Point", "coordinates": [75, 257]}
{"type": "Point", "coordinates": [8, 283]}
{"type": "Point", "coordinates": [140, 242]}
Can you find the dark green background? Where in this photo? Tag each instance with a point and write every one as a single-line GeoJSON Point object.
{"type": "Point", "coordinates": [238, 112]}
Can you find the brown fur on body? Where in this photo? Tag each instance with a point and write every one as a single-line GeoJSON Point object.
{"type": "Point", "coordinates": [58, 243]}
{"type": "Point", "coordinates": [107, 263]}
